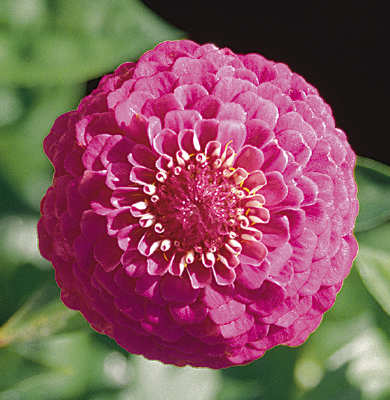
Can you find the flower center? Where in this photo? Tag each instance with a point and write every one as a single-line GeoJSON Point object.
{"type": "Point", "coordinates": [200, 207]}
{"type": "Point", "coordinates": [198, 203]}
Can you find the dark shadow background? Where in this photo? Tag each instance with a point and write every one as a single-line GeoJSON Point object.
{"type": "Point", "coordinates": [341, 47]}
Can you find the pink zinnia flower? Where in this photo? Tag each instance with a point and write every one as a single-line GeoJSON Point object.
{"type": "Point", "coordinates": [202, 206]}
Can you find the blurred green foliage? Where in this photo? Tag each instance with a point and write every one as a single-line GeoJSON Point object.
{"type": "Point", "coordinates": [48, 50]}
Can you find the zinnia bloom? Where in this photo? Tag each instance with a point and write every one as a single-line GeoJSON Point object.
{"type": "Point", "coordinates": [202, 206]}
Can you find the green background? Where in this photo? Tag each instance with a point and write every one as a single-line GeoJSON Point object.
{"type": "Point", "coordinates": [48, 51]}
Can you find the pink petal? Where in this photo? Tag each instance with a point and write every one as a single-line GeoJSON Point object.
{"type": "Point", "coordinates": [231, 111]}
{"type": "Point", "coordinates": [208, 106]}
{"type": "Point", "coordinates": [227, 313]}
{"type": "Point", "coordinates": [181, 119]}
{"type": "Point", "coordinates": [258, 133]}
{"type": "Point", "coordinates": [228, 88]}
{"type": "Point", "coordinates": [250, 158]}
{"type": "Point", "coordinates": [232, 133]}
{"type": "Point", "coordinates": [188, 95]}
{"type": "Point", "coordinates": [124, 111]}
{"type": "Point", "coordinates": [237, 327]}
{"type": "Point", "coordinates": [304, 247]}
{"type": "Point", "coordinates": [258, 108]}
{"type": "Point", "coordinates": [276, 232]}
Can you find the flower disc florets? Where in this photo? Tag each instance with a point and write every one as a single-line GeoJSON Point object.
{"type": "Point", "coordinates": [202, 206]}
{"type": "Point", "coordinates": [197, 211]}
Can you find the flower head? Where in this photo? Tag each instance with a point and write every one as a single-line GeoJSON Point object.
{"type": "Point", "coordinates": [202, 206]}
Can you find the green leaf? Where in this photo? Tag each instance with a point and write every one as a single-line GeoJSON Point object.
{"type": "Point", "coordinates": [373, 180]}
{"type": "Point", "coordinates": [75, 40]}
{"type": "Point", "coordinates": [34, 320]}
{"type": "Point", "coordinates": [374, 267]}
{"type": "Point", "coordinates": [22, 160]}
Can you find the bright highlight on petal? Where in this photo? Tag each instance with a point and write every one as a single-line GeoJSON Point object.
{"type": "Point", "coordinates": [202, 206]}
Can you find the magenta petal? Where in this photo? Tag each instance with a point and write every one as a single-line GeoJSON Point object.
{"type": "Point", "coordinates": [316, 217]}
{"type": "Point", "coordinates": [129, 237]}
{"type": "Point", "coordinates": [251, 277]}
{"type": "Point", "coordinates": [91, 156]}
{"type": "Point", "coordinates": [186, 65]}
{"type": "Point", "coordinates": [293, 120]}
{"type": "Point", "coordinates": [177, 289]}
{"type": "Point", "coordinates": [253, 253]}
{"type": "Point", "coordinates": [166, 142]}
{"type": "Point", "coordinates": [142, 156]}
{"type": "Point", "coordinates": [300, 309]}
{"type": "Point", "coordinates": [116, 149]}
{"type": "Point", "coordinates": [190, 94]}
{"type": "Point", "coordinates": [188, 314]}
{"type": "Point", "coordinates": [132, 306]}
{"type": "Point", "coordinates": [272, 297]}
{"type": "Point", "coordinates": [231, 111]}
{"type": "Point", "coordinates": [138, 130]}
{"type": "Point", "coordinates": [107, 253]}
{"type": "Point", "coordinates": [149, 243]}
{"type": "Point", "coordinates": [223, 275]}
{"type": "Point", "coordinates": [160, 106]}
{"type": "Point", "coordinates": [304, 247]}
{"type": "Point", "coordinates": [119, 219]}
{"type": "Point", "coordinates": [159, 315]}
{"type": "Point", "coordinates": [92, 225]}
{"type": "Point", "coordinates": [158, 264]}
{"type": "Point", "coordinates": [132, 342]}
{"type": "Point", "coordinates": [142, 175]}
{"type": "Point", "coordinates": [189, 141]}
{"type": "Point", "coordinates": [318, 270]}
{"type": "Point", "coordinates": [199, 275]}
{"type": "Point", "coordinates": [213, 296]}
{"type": "Point", "coordinates": [258, 133]}
{"type": "Point", "coordinates": [149, 287]}
{"type": "Point", "coordinates": [293, 142]}
{"type": "Point", "coordinates": [134, 263]}
{"type": "Point", "coordinates": [340, 264]}
{"type": "Point", "coordinates": [157, 85]}
{"type": "Point", "coordinates": [206, 130]}
{"type": "Point", "coordinates": [275, 190]}
{"type": "Point", "coordinates": [118, 175]}
{"type": "Point", "coordinates": [275, 159]}
{"type": "Point", "coordinates": [255, 181]}
{"type": "Point", "coordinates": [208, 106]}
